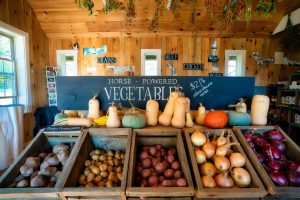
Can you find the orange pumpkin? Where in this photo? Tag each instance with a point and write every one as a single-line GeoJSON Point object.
{"type": "Point", "coordinates": [216, 119]}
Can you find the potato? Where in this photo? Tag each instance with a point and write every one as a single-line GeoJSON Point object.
{"type": "Point", "coordinates": [119, 169]}
{"type": "Point", "coordinates": [113, 178]}
{"type": "Point", "coordinates": [95, 169]}
{"type": "Point", "coordinates": [60, 147]}
{"type": "Point", "coordinates": [98, 179]}
{"type": "Point", "coordinates": [110, 168]}
{"type": "Point", "coordinates": [23, 183]}
{"type": "Point", "coordinates": [103, 167]}
{"type": "Point", "coordinates": [117, 162]}
{"type": "Point", "coordinates": [102, 152]}
{"type": "Point", "coordinates": [110, 157]}
{"type": "Point", "coordinates": [97, 152]}
{"type": "Point", "coordinates": [34, 174]}
{"type": "Point", "coordinates": [53, 161]}
{"type": "Point", "coordinates": [120, 176]}
{"type": "Point", "coordinates": [49, 171]}
{"type": "Point", "coordinates": [44, 165]}
{"type": "Point", "coordinates": [103, 158]}
{"type": "Point", "coordinates": [88, 185]}
{"type": "Point", "coordinates": [118, 155]}
{"type": "Point", "coordinates": [123, 156]}
{"type": "Point", "coordinates": [88, 163]}
{"type": "Point", "coordinates": [55, 177]}
{"type": "Point", "coordinates": [38, 181]}
{"type": "Point", "coordinates": [82, 179]}
{"type": "Point", "coordinates": [63, 156]}
{"type": "Point", "coordinates": [95, 157]}
{"type": "Point", "coordinates": [110, 162]}
{"type": "Point", "coordinates": [109, 183]}
{"type": "Point", "coordinates": [101, 184]}
{"type": "Point", "coordinates": [42, 155]}
{"type": "Point", "coordinates": [19, 178]}
{"type": "Point", "coordinates": [92, 153]}
{"type": "Point", "coordinates": [90, 177]}
{"type": "Point", "coordinates": [104, 174]}
{"type": "Point", "coordinates": [33, 162]}
{"type": "Point", "coordinates": [87, 171]}
{"type": "Point", "coordinates": [49, 156]}
{"type": "Point", "coordinates": [110, 153]}
{"type": "Point", "coordinates": [98, 163]}
{"type": "Point", "coordinates": [26, 170]}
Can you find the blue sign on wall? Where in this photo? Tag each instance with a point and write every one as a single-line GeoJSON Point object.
{"type": "Point", "coordinates": [106, 60]}
{"type": "Point", "coordinates": [171, 56]}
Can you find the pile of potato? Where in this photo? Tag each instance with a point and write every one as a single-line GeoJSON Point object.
{"type": "Point", "coordinates": [103, 169]}
{"type": "Point", "coordinates": [44, 169]}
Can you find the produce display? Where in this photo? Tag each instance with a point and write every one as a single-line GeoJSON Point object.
{"type": "Point", "coordinates": [270, 149]}
{"type": "Point", "coordinates": [219, 165]}
{"type": "Point", "coordinates": [43, 170]}
{"type": "Point", "coordinates": [259, 110]}
{"type": "Point", "coordinates": [158, 167]}
{"type": "Point", "coordinates": [103, 169]}
{"type": "Point", "coordinates": [113, 120]}
{"type": "Point", "coordinates": [216, 119]}
{"type": "Point", "coordinates": [152, 110]}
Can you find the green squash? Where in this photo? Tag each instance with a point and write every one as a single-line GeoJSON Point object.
{"type": "Point", "coordinates": [239, 118]}
{"type": "Point", "coordinates": [134, 120]}
{"type": "Point", "coordinates": [61, 115]}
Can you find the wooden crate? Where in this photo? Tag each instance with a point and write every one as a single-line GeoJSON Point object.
{"type": "Point", "coordinates": [256, 189]}
{"type": "Point", "coordinates": [101, 138]}
{"type": "Point", "coordinates": [293, 152]}
{"type": "Point", "coordinates": [167, 137]}
{"type": "Point", "coordinates": [42, 142]}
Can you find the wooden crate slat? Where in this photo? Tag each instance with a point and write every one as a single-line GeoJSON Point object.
{"type": "Point", "coordinates": [293, 151]}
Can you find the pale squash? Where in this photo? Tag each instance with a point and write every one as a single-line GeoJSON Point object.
{"type": "Point", "coordinates": [134, 120]}
{"type": "Point", "coordinates": [188, 120]}
{"type": "Point", "coordinates": [178, 119]}
{"type": "Point", "coordinates": [188, 105]}
{"type": "Point", "coordinates": [166, 117]}
{"type": "Point", "coordinates": [241, 106]}
{"type": "Point", "coordinates": [200, 115]}
{"type": "Point", "coordinates": [113, 120]}
{"type": "Point", "coordinates": [152, 109]}
{"type": "Point", "coordinates": [259, 110]}
{"type": "Point", "coordinates": [94, 107]}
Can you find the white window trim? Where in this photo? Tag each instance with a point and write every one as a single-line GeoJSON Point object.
{"type": "Point", "coordinates": [63, 52]}
{"type": "Point", "coordinates": [156, 52]}
{"type": "Point", "coordinates": [235, 52]}
{"type": "Point", "coordinates": [22, 64]}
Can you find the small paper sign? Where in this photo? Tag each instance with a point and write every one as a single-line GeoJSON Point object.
{"type": "Point", "coordinates": [193, 66]}
{"type": "Point", "coordinates": [171, 56]}
{"type": "Point", "coordinates": [101, 60]}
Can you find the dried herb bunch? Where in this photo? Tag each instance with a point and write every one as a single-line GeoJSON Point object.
{"type": "Point", "coordinates": [154, 24]}
{"type": "Point", "coordinates": [265, 6]}
{"type": "Point", "coordinates": [210, 6]}
{"type": "Point", "coordinates": [112, 5]}
{"type": "Point", "coordinates": [192, 3]}
{"type": "Point", "coordinates": [176, 8]}
{"type": "Point", "coordinates": [88, 4]}
{"type": "Point", "coordinates": [130, 11]}
{"type": "Point", "coordinates": [232, 10]}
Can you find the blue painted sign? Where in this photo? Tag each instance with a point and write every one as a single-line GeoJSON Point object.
{"type": "Point", "coordinates": [98, 51]}
{"type": "Point", "coordinates": [213, 59]}
{"type": "Point", "coordinates": [73, 93]}
{"type": "Point", "coordinates": [193, 66]}
{"type": "Point", "coordinates": [171, 56]}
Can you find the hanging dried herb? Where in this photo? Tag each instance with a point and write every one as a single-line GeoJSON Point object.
{"type": "Point", "coordinates": [265, 6]}
{"type": "Point", "coordinates": [130, 11]}
{"type": "Point", "coordinates": [248, 10]}
{"type": "Point", "coordinates": [87, 4]}
{"type": "Point", "coordinates": [192, 3]}
{"type": "Point", "coordinates": [232, 10]}
{"type": "Point", "coordinates": [176, 8]}
{"type": "Point", "coordinates": [112, 5]}
{"type": "Point", "coordinates": [290, 40]}
{"type": "Point", "coordinates": [210, 6]}
{"type": "Point", "coordinates": [154, 24]}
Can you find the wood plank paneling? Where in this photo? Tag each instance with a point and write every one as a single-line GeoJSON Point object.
{"type": "Point", "coordinates": [19, 14]}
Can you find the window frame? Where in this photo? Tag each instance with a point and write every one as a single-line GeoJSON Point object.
{"type": "Point", "coordinates": [157, 53]}
{"type": "Point", "coordinates": [14, 97]}
{"type": "Point", "coordinates": [237, 53]}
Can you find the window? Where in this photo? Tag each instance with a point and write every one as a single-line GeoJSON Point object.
{"type": "Point", "coordinates": [67, 62]}
{"type": "Point", "coordinates": [151, 62]}
{"type": "Point", "coordinates": [8, 92]}
{"type": "Point", "coordinates": [235, 62]}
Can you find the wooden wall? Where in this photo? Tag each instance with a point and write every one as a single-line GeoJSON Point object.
{"type": "Point", "coordinates": [190, 49]}
{"type": "Point", "coordinates": [19, 14]}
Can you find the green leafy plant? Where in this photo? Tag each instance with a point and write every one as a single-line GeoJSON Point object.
{"type": "Point", "coordinates": [265, 6]}
{"type": "Point", "coordinates": [88, 4]}
{"type": "Point", "coordinates": [248, 10]}
{"type": "Point", "coordinates": [231, 12]}
{"type": "Point", "coordinates": [154, 24]}
{"type": "Point", "coordinates": [130, 11]}
{"type": "Point", "coordinates": [112, 5]}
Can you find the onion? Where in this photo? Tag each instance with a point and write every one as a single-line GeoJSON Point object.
{"type": "Point", "coordinates": [221, 140]}
{"type": "Point", "coordinates": [158, 146]}
{"type": "Point", "coordinates": [275, 134]}
{"type": "Point", "coordinates": [278, 178]}
{"type": "Point", "coordinates": [260, 141]}
{"type": "Point", "coordinates": [161, 178]}
{"type": "Point", "coordinates": [153, 150]}
{"type": "Point", "coordinates": [260, 157]}
{"type": "Point", "coordinates": [208, 168]}
{"type": "Point", "coordinates": [241, 177]}
{"type": "Point", "coordinates": [237, 160]}
{"type": "Point", "coordinates": [172, 151]}
{"type": "Point", "coordinates": [274, 165]}
{"type": "Point", "coordinates": [272, 153]}
{"type": "Point", "coordinates": [178, 174]}
{"type": "Point", "coordinates": [293, 166]}
{"type": "Point", "coordinates": [144, 183]}
{"type": "Point", "coordinates": [209, 149]}
{"type": "Point", "coordinates": [146, 173]}
{"type": "Point", "coordinates": [153, 181]}
{"type": "Point", "coordinates": [170, 159]}
{"type": "Point", "coordinates": [155, 161]}
{"type": "Point", "coordinates": [143, 154]}
{"type": "Point", "coordinates": [208, 181]}
{"type": "Point", "coordinates": [198, 138]}
{"type": "Point", "coordinates": [222, 163]}
{"type": "Point", "coordinates": [222, 150]}
{"type": "Point", "coordinates": [280, 146]}
{"type": "Point", "coordinates": [160, 167]}
{"type": "Point", "coordinates": [169, 173]}
{"type": "Point", "coordinates": [138, 169]}
{"type": "Point", "coordinates": [181, 182]}
{"type": "Point", "coordinates": [294, 178]}
{"type": "Point", "coordinates": [146, 163]}
{"type": "Point", "coordinates": [166, 183]}
{"type": "Point", "coordinates": [224, 181]}
{"type": "Point", "coordinates": [162, 152]}
{"type": "Point", "coordinates": [249, 136]}
{"type": "Point", "coordinates": [175, 165]}
{"type": "Point", "coordinates": [200, 156]}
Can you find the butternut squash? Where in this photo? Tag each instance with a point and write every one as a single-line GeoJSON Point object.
{"type": "Point", "coordinates": [259, 110]}
{"type": "Point", "coordinates": [152, 109]}
{"type": "Point", "coordinates": [188, 105]}
{"type": "Point", "coordinates": [94, 107]}
{"type": "Point", "coordinates": [113, 120]}
{"type": "Point", "coordinates": [200, 115]}
{"type": "Point", "coordinates": [178, 119]}
{"type": "Point", "coordinates": [188, 120]}
{"type": "Point", "coordinates": [166, 117]}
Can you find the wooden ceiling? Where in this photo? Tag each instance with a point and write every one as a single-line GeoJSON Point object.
{"type": "Point", "coordinates": [64, 19]}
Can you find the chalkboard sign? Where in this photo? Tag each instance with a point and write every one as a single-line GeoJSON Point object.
{"type": "Point", "coordinates": [171, 56]}
{"type": "Point", "coordinates": [192, 66]}
{"type": "Point", "coordinates": [73, 93]}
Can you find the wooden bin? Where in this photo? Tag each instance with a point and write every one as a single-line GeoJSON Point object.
{"type": "Point", "coordinates": [167, 137]}
{"type": "Point", "coordinates": [293, 152]}
{"type": "Point", "coordinates": [101, 138]}
{"type": "Point", "coordinates": [43, 142]}
{"type": "Point", "coordinates": [256, 189]}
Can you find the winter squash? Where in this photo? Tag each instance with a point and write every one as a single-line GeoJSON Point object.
{"type": "Point", "coordinates": [188, 105]}
{"type": "Point", "coordinates": [94, 108]}
{"type": "Point", "coordinates": [238, 118]}
{"type": "Point", "coordinates": [259, 110]}
{"type": "Point", "coordinates": [60, 115]}
{"type": "Point", "coordinates": [178, 119]}
{"type": "Point", "coordinates": [134, 119]}
{"type": "Point", "coordinates": [166, 117]}
{"type": "Point", "coordinates": [241, 106]}
{"type": "Point", "coordinates": [200, 115]}
{"type": "Point", "coordinates": [113, 120]}
{"type": "Point", "coordinates": [216, 119]}
{"type": "Point", "coordinates": [152, 109]}
{"type": "Point", "coordinates": [188, 120]}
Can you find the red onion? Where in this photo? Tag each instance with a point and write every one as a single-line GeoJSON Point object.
{"type": "Point", "coordinates": [294, 178]}
{"type": "Point", "coordinates": [275, 134]}
{"type": "Point", "coordinates": [279, 145]}
{"type": "Point", "coordinates": [172, 151]}
{"type": "Point", "coordinates": [162, 152]}
{"type": "Point", "coordinates": [274, 165]}
{"type": "Point", "coordinates": [146, 148]}
{"type": "Point", "coordinates": [252, 146]}
{"type": "Point", "coordinates": [272, 153]}
{"type": "Point", "coordinates": [260, 157]}
{"type": "Point", "coordinates": [278, 178]}
{"type": "Point", "coordinates": [143, 154]}
{"type": "Point", "coordinates": [260, 141]}
{"type": "Point", "coordinates": [170, 158]}
{"type": "Point", "coordinates": [293, 166]}
{"type": "Point", "coordinates": [158, 146]}
{"type": "Point", "coordinates": [146, 163]}
{"type": "Point", "coordinates": [153, 151]}
{"type": "Point", "coordinates": [249, 136]}
{"type": "Point", "coordinates": [155, 161]}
